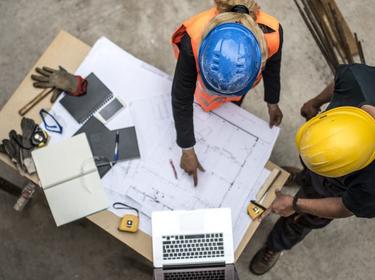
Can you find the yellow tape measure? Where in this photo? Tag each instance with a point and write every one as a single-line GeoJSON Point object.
{"type": "Point", "coordinates": [129, 222]}
{"type": "Point", "coordinates": [255, 210]}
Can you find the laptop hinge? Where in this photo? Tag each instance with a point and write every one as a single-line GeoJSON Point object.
{"type": "Point", "coordinates": [196, 265]}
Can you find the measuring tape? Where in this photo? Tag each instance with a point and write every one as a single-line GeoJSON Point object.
{"type": "Point", "coordinates": [39, 138]}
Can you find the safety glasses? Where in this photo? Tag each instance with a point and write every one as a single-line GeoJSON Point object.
{"type": "Point", "coordinates": [50, 122]}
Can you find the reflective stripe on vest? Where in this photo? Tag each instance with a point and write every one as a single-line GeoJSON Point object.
{"type": "Point", "coordinates": [195, 27]}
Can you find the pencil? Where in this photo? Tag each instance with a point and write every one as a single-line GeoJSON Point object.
{"type": "Point", "coordinates": [174, 169]}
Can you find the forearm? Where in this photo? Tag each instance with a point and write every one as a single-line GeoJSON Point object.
{"type": "Point", "coordinates": [325, 96]}
{"type": "Point", "coordinates": [182, 107]}
{"type": "Point", "coordinates": [271, 74]}
{"type": "Point", "coordinates": [271, 79]}
{"type": "Point", "coordinates": [330, 208]}
{"type": "Point", "coordinates": [183, 89]}
{"type": "Point", "coordinates": [184, 130]}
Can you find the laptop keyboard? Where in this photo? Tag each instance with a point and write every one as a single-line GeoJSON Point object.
{"type": "Point", "coordinates": [196, 275]}
{"type": "Point", "coordinates": [197, 246]}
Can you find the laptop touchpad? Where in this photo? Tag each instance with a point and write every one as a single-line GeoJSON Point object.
{"type": "Point", "coordinates": [192, 223]}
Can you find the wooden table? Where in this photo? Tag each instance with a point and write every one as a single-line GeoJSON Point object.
{"type": "Point", "coordinates": [68, 51]}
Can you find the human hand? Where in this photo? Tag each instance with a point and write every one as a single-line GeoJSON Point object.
{"type": "Point", "coordinates": [282, 205]}
{"type": "Point", "coordinates": [189, 163]}
{"type": "Point", "coordinates": [310, 109]}
{"type": "Point", "coordinates": [275, 114]}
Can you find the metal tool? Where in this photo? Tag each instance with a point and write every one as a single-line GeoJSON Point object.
{"type": "Point", "coordinates": [36, 100]}
{"type": "Point", "coordinates": [27, 193]}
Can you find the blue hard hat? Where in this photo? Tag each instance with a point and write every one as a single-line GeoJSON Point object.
{"type": "Point", "coordinates": [229, 59]}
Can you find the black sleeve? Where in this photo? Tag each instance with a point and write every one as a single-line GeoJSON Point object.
{"type": "Point", "coordinates": [360, 201]}
{"type": "Point", "coordinates": [354, 86]}
{"type": "Point", "coordinates": [359, 198]}
{"type": "Point", "coordinates": [183, 89]}
{"type": "Point", "coordinates": [271, 74]}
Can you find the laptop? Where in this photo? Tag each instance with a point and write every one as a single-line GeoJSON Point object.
{"type": "Point", "coordinates": [193, 245]}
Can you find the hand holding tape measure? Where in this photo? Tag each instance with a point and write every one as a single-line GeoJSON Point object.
{"type": "Point", "coordinates": [282, 205]}
{"type": "Point", "coordinates": [255, 210]}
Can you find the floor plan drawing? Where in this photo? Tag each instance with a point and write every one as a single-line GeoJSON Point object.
{"type": "Point", "coordinates": [230, 150]}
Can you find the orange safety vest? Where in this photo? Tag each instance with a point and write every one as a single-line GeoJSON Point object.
{"type": "Point", "coordinates": [195, 27]}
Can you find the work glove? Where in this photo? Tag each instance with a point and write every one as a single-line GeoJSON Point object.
{"type": "Point", "coordinates": [28, 128]}
{"type": "Point", "coordinates": [61, 80]}
{"type": "Point", "coordinates": [18, 147]}
{"type": "Point", "coordinates": [275, 114]}
{"type": "Point", "coordinates": [309, 110]}
{"type": "Point", "coordinates": [12, 150]}
{"type": "Point", "coordinates": [189, 163]}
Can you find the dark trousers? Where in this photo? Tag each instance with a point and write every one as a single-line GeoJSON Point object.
{"type": "Point", "coordinates": [289, 231]}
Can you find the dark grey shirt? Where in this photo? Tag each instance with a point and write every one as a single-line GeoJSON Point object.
{"type": "Point", "coordinates": [354, 86]}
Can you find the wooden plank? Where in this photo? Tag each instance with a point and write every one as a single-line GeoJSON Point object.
{"type": "Point", "coordinates": [267, 200]}
{"type": "Point", "coordinates": [139, 241]}
{"type": "Point", "coordinates": [347, 31]}
{"type": "Point", "coordinates": [268, 183]}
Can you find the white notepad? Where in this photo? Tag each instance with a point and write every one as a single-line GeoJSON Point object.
{"type": "Point", "coordinates": [70, 179]}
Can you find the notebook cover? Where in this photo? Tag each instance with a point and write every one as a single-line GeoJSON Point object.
{"type": "Point", "coordinates": [102, 142]}
{"type": "Point", "coordinates": [82, 107]}
{"type": "Point", "coordinates": [70, 180]}
{"type": "Point", "coordinates": [76, 199]}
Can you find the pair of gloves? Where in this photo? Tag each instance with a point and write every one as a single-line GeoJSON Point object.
{"type": "Point", "coordinates": [60, 80]}
{"type": "Point", "coordinates": [19, 147]}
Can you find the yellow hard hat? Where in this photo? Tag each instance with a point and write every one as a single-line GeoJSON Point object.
{"type": "Point", "coordinates": [337, 142]}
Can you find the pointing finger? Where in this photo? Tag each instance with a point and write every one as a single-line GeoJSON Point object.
{"type": "Point", "coordinates": [195, 178]}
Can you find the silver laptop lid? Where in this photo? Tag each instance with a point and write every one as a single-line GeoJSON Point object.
{"type": "Point", "coordinates": [192, 237]}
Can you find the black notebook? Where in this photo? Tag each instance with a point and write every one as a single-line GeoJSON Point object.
{"type": "Point", "coordinates": [83, 107]}
{"type": "Point", "coordinates": [103, 141]}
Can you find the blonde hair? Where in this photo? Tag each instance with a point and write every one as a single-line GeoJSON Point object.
{"type": "Point", "coordinates": [248, 20]}
{"type": "Point", "coordinates": [226, 5]}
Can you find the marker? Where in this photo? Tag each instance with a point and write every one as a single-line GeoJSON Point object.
{"type": "Point", "coordinates": [174, 169]}
{"type": "Point", "coordinates": [116, 156]}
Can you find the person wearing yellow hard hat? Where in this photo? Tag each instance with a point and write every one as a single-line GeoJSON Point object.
{"type": "Point", "coordinates": [337, 150]}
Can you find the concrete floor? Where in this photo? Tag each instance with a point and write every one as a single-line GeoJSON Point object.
{"type": "Point", "coordinates": [31, 247]}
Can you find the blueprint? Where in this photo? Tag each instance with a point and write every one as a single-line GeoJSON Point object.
{"type": "Point", "coordinates": [232, 145]}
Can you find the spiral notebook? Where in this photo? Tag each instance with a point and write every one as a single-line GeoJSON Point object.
{"type": "Point", "coordinates": [83, 107]}
{"type": "Point", "coordinates": [102, 142]}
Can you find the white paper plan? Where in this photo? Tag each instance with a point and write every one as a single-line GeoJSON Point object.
{"type": "Point", "coordinates": [232, 154]}
{"type": "Point", "coordinates": [232, 144]}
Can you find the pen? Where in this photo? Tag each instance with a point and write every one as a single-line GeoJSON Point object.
{"type": "Point", "coordinates": [116, 155]}
{"type": "Point", "coordinates": [174, 169]}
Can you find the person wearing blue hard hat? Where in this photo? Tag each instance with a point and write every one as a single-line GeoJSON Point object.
{"type": "Point", "coordinates": [222, 53]}
{"type": "Point", "coordinates": [229, 61]}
